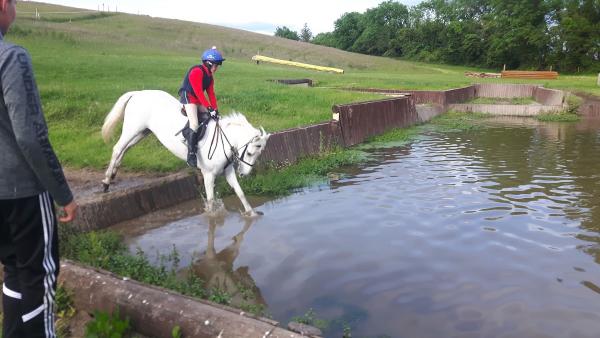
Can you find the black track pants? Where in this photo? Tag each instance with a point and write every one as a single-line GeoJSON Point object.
{"type": "Point", "coordinates": [29, 253]}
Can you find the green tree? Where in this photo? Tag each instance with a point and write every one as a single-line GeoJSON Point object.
{"type": "Point", "coordinates": [518, 33]}
{"type": "Point", "coordinates": [526, 34]}
{"type": "Point", "coordinates": [284, 32]}
{"type": "Point", "coordinates": [576, 43]}
{"type": "Point", "coordinates": [381, 24]}
{"type": "Point", "coordinates": [325, 39]}
{"type": "Point", "coordinates": [305, 33]}
{"type": "Point", "coordinates": [347, 29]}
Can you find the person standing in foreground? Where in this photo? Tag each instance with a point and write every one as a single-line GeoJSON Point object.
{"type": "Point", "coordinates": [199, 79]}
{"type": "Point", "coordinates": [31, 179]}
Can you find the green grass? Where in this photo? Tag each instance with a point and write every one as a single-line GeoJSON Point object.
{"type": "Point", "coordinates": [457, 121]}
{"type": "Point", "coordinates": [558, 117]}
{"type": "Point", "coordinates": [277, 181]}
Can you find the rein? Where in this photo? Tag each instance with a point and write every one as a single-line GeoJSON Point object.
{"type": "Point", "coordinates": [219, 133]}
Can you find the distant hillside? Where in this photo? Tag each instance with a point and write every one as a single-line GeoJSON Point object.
{"type": "Point", "coordinates": [182, 37]}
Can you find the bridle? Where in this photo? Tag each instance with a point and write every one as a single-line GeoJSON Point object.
{"type": "Point", "coordinates": [236, 158]}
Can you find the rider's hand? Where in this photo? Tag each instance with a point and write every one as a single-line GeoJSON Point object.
{"type": "Point", "coordinates": [213, 113]}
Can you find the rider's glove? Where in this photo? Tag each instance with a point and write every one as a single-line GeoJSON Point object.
{"type": "Point", "coordinates": [213, 113]}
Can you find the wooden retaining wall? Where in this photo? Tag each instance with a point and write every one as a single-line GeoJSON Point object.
{"type": "Point", "coordinates": [549, 97]}
{"type": "Point", "coordinates": [504, 90]}
{"type": "Point", "coordinates": [428, 96]}
{"type": "Point", "coordinates": [444, 97]}
{"type": "Point", "coordinates": [590, 108]}
{"type": "Point", "coordinates": [460, 95]}
{"type": "Point", "coordinates": [290, 145]}
{"type": "Point", "coordinates": [359, 121]}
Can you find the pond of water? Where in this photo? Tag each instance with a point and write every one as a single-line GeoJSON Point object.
{"type": "Point", "coordinates": [491, 232]}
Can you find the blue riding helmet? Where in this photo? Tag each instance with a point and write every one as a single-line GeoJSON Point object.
{"type": "Point", "coordinates": [213, 56]}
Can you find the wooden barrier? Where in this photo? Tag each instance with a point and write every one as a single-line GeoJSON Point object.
{"type": "Point", "coordinates": [523, 74]}
{"type": "Point", "coordinates": [359, 121]}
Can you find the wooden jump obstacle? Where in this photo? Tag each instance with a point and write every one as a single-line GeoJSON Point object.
{"type": "Point", "coordinates": [259, 58]}
{"type": "Point", "coordinates": [523, 74]}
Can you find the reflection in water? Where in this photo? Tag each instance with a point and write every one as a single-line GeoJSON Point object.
{"type": "Point", "coordinates": [218, 271]}
{"type": "Point", "coordinates": [491, 232]}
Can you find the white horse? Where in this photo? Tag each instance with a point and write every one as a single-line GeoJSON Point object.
{"type": "Point", "coordinates": [229, 144]}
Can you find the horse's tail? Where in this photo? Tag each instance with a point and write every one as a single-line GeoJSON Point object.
{"type": "Point", "coordinates": [115, 115]}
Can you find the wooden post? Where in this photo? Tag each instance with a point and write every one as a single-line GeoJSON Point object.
{"type": "Point", "coordinates": [598, 79]}
{"type": "Point", "coordinates": [504, 69]}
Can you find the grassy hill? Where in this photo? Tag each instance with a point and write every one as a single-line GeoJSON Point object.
{"type": "Point", "coordinates": [85, 61]}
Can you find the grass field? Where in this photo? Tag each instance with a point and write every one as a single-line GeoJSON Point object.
{"type": "Point", "coordinates": [84, 62]}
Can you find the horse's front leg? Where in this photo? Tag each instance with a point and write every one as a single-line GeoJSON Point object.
{"type": "Point", "coordinates": [209, 187]}
{"type": "Point", "coordinates": [233, 182]}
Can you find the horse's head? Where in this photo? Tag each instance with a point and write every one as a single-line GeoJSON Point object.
{"type": "Point", "coordinates": [248, 154]}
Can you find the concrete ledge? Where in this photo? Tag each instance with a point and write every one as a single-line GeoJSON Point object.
{"type": "Point", "coordinates": [107, 209]}
{"type": "Point", "coordinates": [505, 110]}
{"type": "Point", "coordinates": [155, 311]}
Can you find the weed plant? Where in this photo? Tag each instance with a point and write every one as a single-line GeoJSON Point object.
{"type": "Point", "coordinates": [567, 115]}
{"type": "Point", "coordinates": [106, 325]}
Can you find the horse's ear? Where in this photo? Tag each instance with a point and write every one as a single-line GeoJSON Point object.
{"type": "Point", "coordinates": [264, 134]}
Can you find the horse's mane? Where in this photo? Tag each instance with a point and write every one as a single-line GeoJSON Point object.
{"type": "Point", "coordinates": [236, 118]}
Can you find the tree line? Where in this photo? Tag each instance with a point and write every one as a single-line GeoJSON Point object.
{"type": "Point", "coordinates": [521, 34]}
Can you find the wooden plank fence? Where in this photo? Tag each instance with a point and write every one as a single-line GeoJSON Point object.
{"type": "Point", "coordinates": [524, 74]}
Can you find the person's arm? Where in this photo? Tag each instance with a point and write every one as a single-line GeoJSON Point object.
{"type": "Point", "coordinates": [29, 126]}
{"type": "Point", "coordinates": [196, 78]}
{"type": "Point", "coordinates": [211, 95]}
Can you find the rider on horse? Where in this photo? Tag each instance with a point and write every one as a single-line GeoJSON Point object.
{"type": "Point", "coordinates": [199, 110]}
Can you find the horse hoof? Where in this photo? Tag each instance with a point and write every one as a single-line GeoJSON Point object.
{"type": "Point", "coordinates": [105, 187]}
{"type": "Point", "coordinates": [253, 213]}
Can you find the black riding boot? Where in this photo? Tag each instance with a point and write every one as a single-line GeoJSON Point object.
{"type": "Point", "coordinates": [191, 138]}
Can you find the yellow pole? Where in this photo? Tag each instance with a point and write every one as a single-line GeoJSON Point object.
{"type": "Point", "coordinates": [297, 64]}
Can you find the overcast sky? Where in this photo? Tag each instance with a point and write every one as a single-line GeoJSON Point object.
{"type": "Point", "coordinates": [261, 16]}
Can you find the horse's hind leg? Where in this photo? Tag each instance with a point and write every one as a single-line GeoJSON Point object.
{"type": "Point", "coordinates": [131, 143]}
{"type": "Point", "coordinates": [125, 142]}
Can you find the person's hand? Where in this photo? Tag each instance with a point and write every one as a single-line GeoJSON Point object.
{"type": "Point", "coordinates": [69, 212]}
{"type": "Point", "coordinates": [213, 113]}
